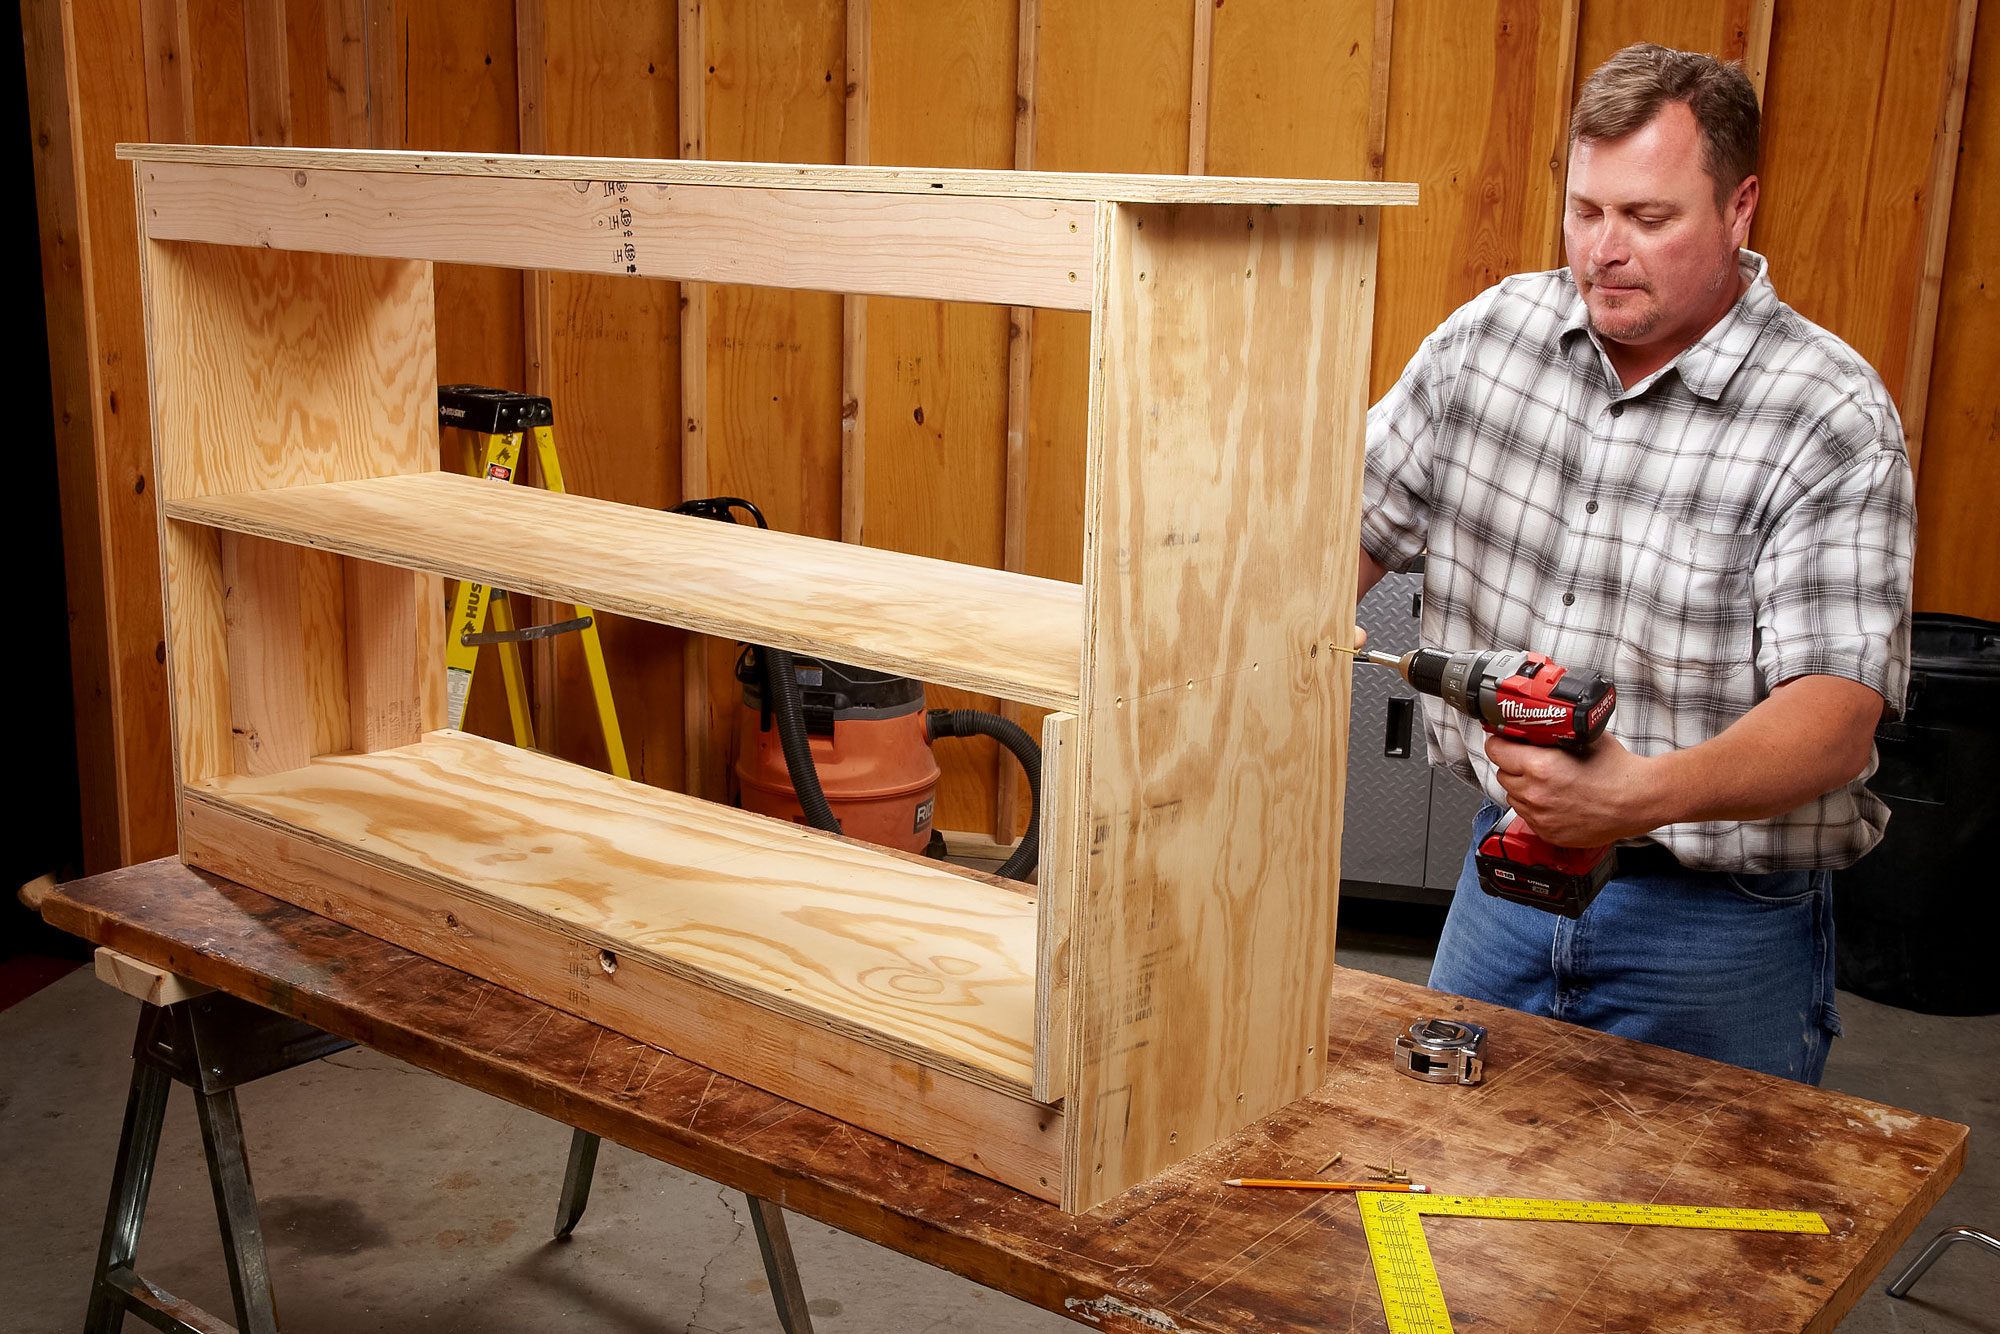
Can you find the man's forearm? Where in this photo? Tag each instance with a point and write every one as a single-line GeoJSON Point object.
{"type": "Point", "coordinates": [1811, 735]}
{"type": "Point", "coordinates": [1368, 574]}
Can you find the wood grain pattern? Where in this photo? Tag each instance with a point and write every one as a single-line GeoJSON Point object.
{"type": "Point", "coordinates": [197, 651]}
{"type": "Point", "coordinates": [1922, 337]}
{"type": "Point", "coordinates": [1057, 870]}
{"type": "Point", "coordinates": [1474, 92]}
{"type": "Point", "coordinates": [169, 71]}
{"type": "Point", "coordinates": [899, 952]}
{"type": "Point", "coordinates": [268, 370]}
{"type": "Point", "coordinates": [101, 53]}
{"type": "Point", "coordinates": [1856, 90]}
{"type": "Point", "coordinates": [267, 73]}
{"type": "Point", "coordinates": [59, 207]}
{"type": "Point", "coordinates": [266, 674]}
{"type": "Point", "coordinates": [1021, 251]}
{"type": "Point", "coordinates": [772, 358]}
{"type": "Point", "coordinates": [1008, 783]}
{"type": "Point", "coordinates": [854, 309]}
{"type": "Point", "coordinates": [999, 1134]}
{"type": "Point", "coordinates": [275, 369]}
{"type": "Point", "coordinates": [143, 981]}
{"type": "Point", "coordinates": [1293, 84]}
{"type": "Point", "coordinates": [1722, 28]}
{"type": "Point", "coordinates": [220, 76]}
{"type": "Point", "coordinates": [1200, 81]}
{"type": "Point", "coordinates": [387, 639]}
{"type": "Point", "coordinates": [322, 595]}
{"type": "Point", "coordinates": [1185, 1249]}
{"type": "Point", "coordinates": [935, 399]}
{"type": "Point", "coordinates": [1112, 88]}
{"type": "Point", "coordinates": [703, 753]}
{"type": "Point", "coordinates": [1958, 545]}
{"type": "Point", "coordinates": [938, 181]}
{"type": "Point", "coordinates": [610, 84]}
{"type": "Point", "coordinates": [1219, 578]}
{"type": "Point", "coordinates": [457, 88]}
{"type": "Point", "coordinates": [985, 629]}
{"type": "Point", "coordinates": [1757, 45]}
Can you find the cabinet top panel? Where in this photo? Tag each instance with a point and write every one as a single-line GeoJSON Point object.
{"type": "Point", "coordinates": [1052, 185]}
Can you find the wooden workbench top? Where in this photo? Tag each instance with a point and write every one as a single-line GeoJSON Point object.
{"type": "Point", "coordinates": [1564, 1112]}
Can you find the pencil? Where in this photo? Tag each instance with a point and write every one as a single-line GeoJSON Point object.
{"type": "Point", "coordinates": [1397, 1187]}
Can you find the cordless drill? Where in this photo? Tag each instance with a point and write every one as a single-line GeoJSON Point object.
{"type": "Point", "coordinates": [1523, 697]}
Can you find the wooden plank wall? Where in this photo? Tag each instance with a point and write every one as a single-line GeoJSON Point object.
{"type": "Point", "coordinates": [1958, 552]}
{"type": "Point", "coordinates": [957, 431]}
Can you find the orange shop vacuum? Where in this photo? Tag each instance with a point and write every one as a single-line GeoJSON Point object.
{"type": "Point", "coordinates": [847, 749]}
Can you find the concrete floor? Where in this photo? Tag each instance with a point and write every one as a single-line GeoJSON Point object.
{"type": "Point", "coordinates": [393, 1200]}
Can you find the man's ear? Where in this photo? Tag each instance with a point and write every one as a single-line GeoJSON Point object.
{"type": "Point", "coordinates": [1742, 210]}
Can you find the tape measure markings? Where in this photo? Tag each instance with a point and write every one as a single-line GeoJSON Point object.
{"type": "Point", "coordinates": [1404, 1270]}
{"type": "Point", "coordinates": [1412, 1298]}
{"type": "Point", "coordinates": [1603, 1211]}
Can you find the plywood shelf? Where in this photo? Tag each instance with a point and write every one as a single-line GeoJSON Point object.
{"type": "Point", "coordinates": [907, 955]}
{"type": "Point", "coordinates": [1010, 635]}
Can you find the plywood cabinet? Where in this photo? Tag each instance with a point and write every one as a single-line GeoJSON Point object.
{"type": "Point", "coordinates": [1161, 986]}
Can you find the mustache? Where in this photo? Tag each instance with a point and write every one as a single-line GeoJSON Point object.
{"type": "Point", "coordinates": [1595, 277]}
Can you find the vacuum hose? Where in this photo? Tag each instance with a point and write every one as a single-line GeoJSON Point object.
{"type": "Point", "coordinates": [972, 722]}
{"type": "Point", "coordinates": [788, 707]}
{"type": "Point", "coordinates": [788, 710]}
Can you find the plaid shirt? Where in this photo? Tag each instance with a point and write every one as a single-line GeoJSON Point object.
{"type": "Point", "coordinates": [1740, 517]}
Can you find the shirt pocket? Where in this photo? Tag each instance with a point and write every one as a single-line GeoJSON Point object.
{"type": "Point", "coordinates": [1688, 605]}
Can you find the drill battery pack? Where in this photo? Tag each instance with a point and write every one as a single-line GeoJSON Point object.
{"type": "Point", "coordinates": [1516, 865]}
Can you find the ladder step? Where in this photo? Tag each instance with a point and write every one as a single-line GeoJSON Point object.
{"type": "Point", "coordinates": [473, 407]}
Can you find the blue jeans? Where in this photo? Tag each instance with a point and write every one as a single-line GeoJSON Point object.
{"type": "Point", "coordinates": [1738, 968]}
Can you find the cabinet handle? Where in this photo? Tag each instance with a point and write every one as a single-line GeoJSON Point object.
{"type": "Point", "coordinates": [1396, 736]}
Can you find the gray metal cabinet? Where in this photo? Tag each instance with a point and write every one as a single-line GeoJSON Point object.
{"type": "Point", "coordinates": [1406, 824]}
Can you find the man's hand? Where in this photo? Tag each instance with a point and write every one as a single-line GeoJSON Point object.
{"type": "Point", "coordinates": [1811, 735]}
{"type": "Point", "coordinates": [1578, 801]}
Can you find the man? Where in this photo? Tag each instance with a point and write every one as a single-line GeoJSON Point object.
{"type": "Point", "coordinates": [1648, 465]}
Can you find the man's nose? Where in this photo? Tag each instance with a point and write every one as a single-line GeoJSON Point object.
{"type": "Point", "coordinates": [1611, 243]}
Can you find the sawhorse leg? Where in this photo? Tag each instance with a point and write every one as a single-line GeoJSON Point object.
{"type": "Point", "coordinates": [576, 1182]}
{"type": "Point", "coordinates": [1951, 1236]}
{"type": "Point", "coordinates": [774, 1240]}
{"type": "Point", "coordinates": [212, 1044]}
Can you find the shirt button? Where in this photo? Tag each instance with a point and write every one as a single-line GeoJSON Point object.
{"type": "Point", "coordinates": [1590, 507]}
{"type": "Point", "coordinates": [1617, 409]}
{"type": "Point", "coordinates": [1569, 599]}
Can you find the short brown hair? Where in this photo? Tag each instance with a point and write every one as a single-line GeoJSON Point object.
{"type": "Point", "coordinates": [1628, 90]}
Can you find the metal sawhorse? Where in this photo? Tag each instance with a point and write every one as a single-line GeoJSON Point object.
{"type": "Point", "coordinates": [1939, 1244]}
{"type": "Point", "coordinates": [214, 1043]}
{"type": "Point", "coordinates": [774, 1241]}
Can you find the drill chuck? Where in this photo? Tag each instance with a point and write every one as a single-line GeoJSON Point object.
{"type": "Point", "coordinates": [1516, 694]}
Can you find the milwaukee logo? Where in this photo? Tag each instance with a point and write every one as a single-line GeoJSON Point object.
{"type": "Point", "coordinates": [1516, 712]}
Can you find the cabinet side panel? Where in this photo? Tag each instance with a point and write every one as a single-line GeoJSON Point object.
{"type": "Point", "coordinates": [386, 613]}
{"type": "Point", "coordinates": [271, 723]}
{"type": "Point", "coordinates": [197, 650]}
{"type": "Point", "coordinates": [275, 369]}
{"type": "Point", "coordinates": [1220, 564]}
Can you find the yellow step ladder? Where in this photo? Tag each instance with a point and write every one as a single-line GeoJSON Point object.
{"type": "Point", "coordinates": [495, 424]}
